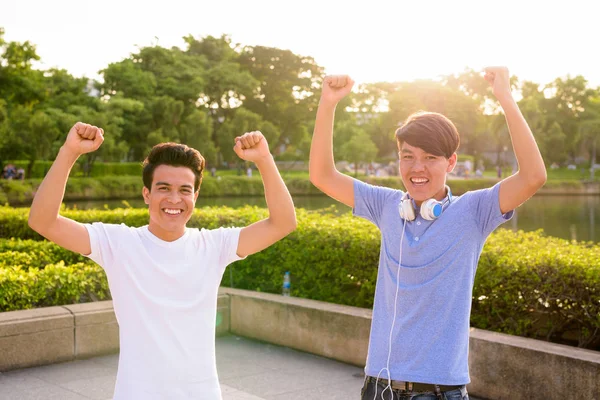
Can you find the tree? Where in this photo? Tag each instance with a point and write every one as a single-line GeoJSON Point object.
{"type": "Point", "coordinates": [226, 83]}
{"type": "Point", "coordinates": [358, 149]}
{"type": "Point", "coordinates": [243, 121]}
{"type": "Point", "coordinates": [30, 135]}
{"type": "Point", "coordinates": [589, 130]}
{"type": "Point", "coordinates": [19, 83]}
{"type": "Point", "coordinates": [286, 89]}
{"type": "Point", "coordinates": [567, 105]}
{"type": "Point", "coordinates": [196, 132]}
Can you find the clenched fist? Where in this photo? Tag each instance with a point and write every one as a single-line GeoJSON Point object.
{"type": "Point", "coordinates": [499, 79]}
{"type": "Point", "coordinates": [335, 88]}
{"type": "Point", "coordinates": [84, 138]}
{"type": "Point", "coordinates": [251, 146]}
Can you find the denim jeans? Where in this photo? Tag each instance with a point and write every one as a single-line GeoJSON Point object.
{"type": "Point", "coordinates": [368, 393]}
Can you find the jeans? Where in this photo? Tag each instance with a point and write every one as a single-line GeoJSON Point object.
{"type": "Point", "coordinates": [368, 393]}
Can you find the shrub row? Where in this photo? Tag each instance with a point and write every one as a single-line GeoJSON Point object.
{"type": "Point", "coordinates": [129, 187]}
{"type": "Point", "coordinates": [527, 284]}
{"type": "Point", "coordinates": [55, 284]}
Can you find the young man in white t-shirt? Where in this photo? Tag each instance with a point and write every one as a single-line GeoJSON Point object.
{"type": "Point", "coordinates": [164, 277]}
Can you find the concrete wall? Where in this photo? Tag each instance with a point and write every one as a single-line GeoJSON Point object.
{"type": "Point", "coordinates": [55, 334]}
{"type": "Point", "coordinates": [502, 366]}
{"type": "Point", "coordinates": [329, 330]}
{"type": "Point", "coordinates": [35, 337]}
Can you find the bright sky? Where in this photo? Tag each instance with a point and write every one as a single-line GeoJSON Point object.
{"type": "Point", "coordinates": [374, 40]}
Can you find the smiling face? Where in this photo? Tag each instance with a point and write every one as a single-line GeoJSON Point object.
{"type": "Point", "coordinates": [424, 174]}
{"type": "Point", "coordinates": [427, 144]}
{"type": "Point", "coordinates": [171, 201]}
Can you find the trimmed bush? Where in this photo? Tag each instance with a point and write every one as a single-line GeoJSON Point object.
{"type": "Point", "coordinates": [536, 286]}
{"type": "Point", "coordinates": [56, 284]}
{"type": "Point", "coordinates": [34, 253]}
{"type": "Point", "coordinates": [527, 284]}
{"type": "Point", "coordinates": [130, 187]}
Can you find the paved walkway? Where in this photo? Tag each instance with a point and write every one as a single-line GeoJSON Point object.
{"type": "Point", "coordinates": [248, 370]}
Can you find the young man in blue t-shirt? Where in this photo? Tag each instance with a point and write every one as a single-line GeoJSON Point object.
{"type": "Point", "coordinates": [430, 243]}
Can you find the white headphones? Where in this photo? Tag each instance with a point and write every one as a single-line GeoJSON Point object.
{"type": "Point", "coordinates": [430, 209]}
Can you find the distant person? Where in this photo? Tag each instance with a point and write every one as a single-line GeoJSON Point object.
{"type": "Point", "coordinates": [20, 173]}
{"type": "Point", "coordinates": [468, 167]}
{"type": "Point", "coordinates": [9, 172]}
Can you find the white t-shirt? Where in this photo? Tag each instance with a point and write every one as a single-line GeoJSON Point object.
{"type": "Point", "coordinates": [165, 299]}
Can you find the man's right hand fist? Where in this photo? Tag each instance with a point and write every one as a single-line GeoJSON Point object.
{"type": "Point", "coordinates": [84, 138]}
{"type": "Point", "coordinates": [336, 87]}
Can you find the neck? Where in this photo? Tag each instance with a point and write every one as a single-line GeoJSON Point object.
{"type": "Point", "coordinates": [167, 236]}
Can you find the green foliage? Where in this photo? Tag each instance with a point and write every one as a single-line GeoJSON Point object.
{"type": "Point", "coordinates": [527, 284]}
{"type": "Point", "coordinates": [226, 183]}
{"type": "Point", "coordinates": [536, 286]}
{"type": "Point", "coordinates": [35, 253]}
{"type": "Point", "coordinates": [212, 90]}
{"type": "Point", "coordinates": [127, 187]}
{"type": "Point", "coordinates": [56, 284]}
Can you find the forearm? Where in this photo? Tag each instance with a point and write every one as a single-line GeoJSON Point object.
{"type": "Point", "coordinates": [49, 196]}
{"type": "Point", "coordinates": [279, 201]}
{"type": "Point", "coordinates": [529, 158]}
{"type": "Point", "coordinates": [321, 161]}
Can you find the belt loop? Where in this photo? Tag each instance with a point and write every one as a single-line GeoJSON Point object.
{"type": "Point", "coordinates": [438, 392]}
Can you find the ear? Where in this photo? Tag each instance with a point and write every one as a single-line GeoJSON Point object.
{"type": "Point", "coordinates": [196, 195]}
{"type": "Point", "coordinates": [452, 162]}
{"type": "Point", "coordinates": [146, 195]}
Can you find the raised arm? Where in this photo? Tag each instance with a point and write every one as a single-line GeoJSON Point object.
{"type": "Point", "coordinates": [253, 146]}
{"type": "Point", "coordinates": [43, 216]}
{"type": "Point", "coordinates": [321, 167]}
{"type": "Point", "coordinates": [531, 175]}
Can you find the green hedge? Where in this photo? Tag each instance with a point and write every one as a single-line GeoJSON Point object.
{"type": "Point", "coordinates": [35, 253]}
{"type": "Point", "coordinates": [130, 187]}
{"type": "Point", "coordinates": [55, 284]}
{"type": "Point", "coordinates": [40, 168]}
{"type": "Point", "coordinates": [527, 284]}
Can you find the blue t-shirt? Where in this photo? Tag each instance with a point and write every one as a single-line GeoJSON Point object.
{"type": "Point", "coordinates": [430, 340]}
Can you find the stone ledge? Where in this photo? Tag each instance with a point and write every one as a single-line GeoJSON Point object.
{"type": "Point", "coordinates": [96, 329]}
{"type": "Point", "coordinates": [34, 337]}
{"type": "Point", "coordinates": [502, 366]}
{"type": "Point", "coordinates": [33, 321]}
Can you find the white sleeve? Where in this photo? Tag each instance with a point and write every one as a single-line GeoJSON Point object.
{"type": "Point", "coordinates": [225, 243]}
{"type": "Point", "coordinates": [105, 242]}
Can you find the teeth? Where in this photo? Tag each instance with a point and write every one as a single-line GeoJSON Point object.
{"type": "Point", "coordinates": [419, 180]}
{"type": "Point", "coordinates": [172, 212]}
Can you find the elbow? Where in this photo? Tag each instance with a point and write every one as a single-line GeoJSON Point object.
{"type": "Point", "coordinates": [32, 223]}
{"type": "Point", "coordinates": [317, 178]}
{"type": "Point", "coordinates": [38, 225]}
{"type": "Point", "coordinates": [541, 178]}
{"type": "Point", "coordinates": [536, 181]}
{"type": "Point", "coordinates": [292, 225]}
{"type": "Point", "coordinates": [314, 179]}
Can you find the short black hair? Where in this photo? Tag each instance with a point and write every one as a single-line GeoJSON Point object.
{"type": "Point", "coordinates": [432, 132]}
{"type": "Point", "coordinates": [176, 155]}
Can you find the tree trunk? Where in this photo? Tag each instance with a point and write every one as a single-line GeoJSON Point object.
{"type": "Point", "coordinates": [593, 163]}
